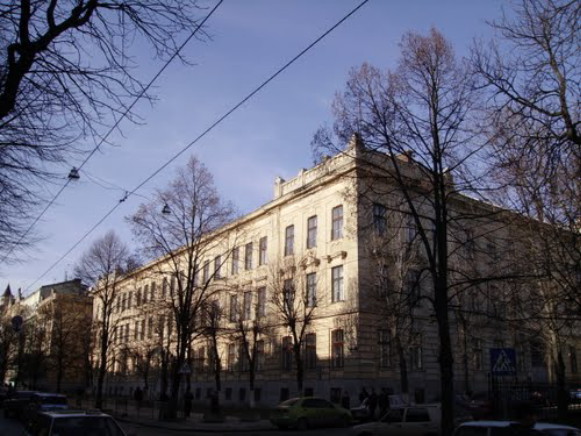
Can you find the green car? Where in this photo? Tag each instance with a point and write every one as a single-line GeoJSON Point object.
{"type": "Point", "coordinates": [309, 412]}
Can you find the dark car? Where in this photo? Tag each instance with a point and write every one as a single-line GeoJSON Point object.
{"type": "Point", "coordinates": [43, 402]}
{"type": "Point", "coordinates": [15, 406]}
{"type": "Point", "coordinates": [74, 423]}
{"type": "Point", "coordinates": [303, 413]}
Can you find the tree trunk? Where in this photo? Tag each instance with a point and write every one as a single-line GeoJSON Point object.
{"type": "Point", "coordinates": [403, 367]}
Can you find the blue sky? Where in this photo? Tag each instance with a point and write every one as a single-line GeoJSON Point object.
{"type": "Point", "coordinates": [267, 137]}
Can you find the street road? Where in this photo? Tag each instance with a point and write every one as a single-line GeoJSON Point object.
{"type": "Point", "coordinates": [138, 430]}
{"type": "Point", "coordinates": [10, 427]}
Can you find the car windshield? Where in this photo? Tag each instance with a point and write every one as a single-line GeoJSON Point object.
{"type": "Point", "coordinates": [54, 400]}
{"type": "Point", "coordinates": [289, 403]}
{"type": "Point", "coordinates": [86, 426]}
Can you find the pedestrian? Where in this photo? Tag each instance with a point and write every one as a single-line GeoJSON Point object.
{"type": "Point", "coordinates": [363, 395]}
{"type": "Point", "coordinates": [138, 396]}
{"type": "Point", "coordinates": [345, 400]}
{"type": "Point", "coordinates": [383, 402]}
{"type": "Point", "coordinates": [188, 397]}
{"type": "Point", "coordinates": [372, 402]}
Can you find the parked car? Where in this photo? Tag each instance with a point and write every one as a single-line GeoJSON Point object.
{"type": "Point", "coordinates": [17, 403]}
{"type": "Point", "coordinates": [43, 402]}
{"type": "Point", "coordinates": [498, 428]}
{"type": "Point", "coordinates": [413, 420]}
{"type": "Point", "coordinates": [73, 423]}
{"type": "Point", "coordinates": [360, 413]}
{"type": "Point", "coordinates": [575, 394]}
{"type": "Point", "coordinates": [308, 412]}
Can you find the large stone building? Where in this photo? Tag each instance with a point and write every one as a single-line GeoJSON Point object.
{"type": "Point", "coordinates": [51, 348]}
{"type": "Point", "coordinates": [338, 243]}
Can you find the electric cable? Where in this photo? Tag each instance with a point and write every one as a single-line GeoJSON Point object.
{"type": "Point", "coordinates": [201, 135]}
{"type": "Point", "coordinates": [114, 126]}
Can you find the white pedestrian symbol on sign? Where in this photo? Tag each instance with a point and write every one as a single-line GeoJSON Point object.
{"type": "Point", "coordinates": [503, 363]}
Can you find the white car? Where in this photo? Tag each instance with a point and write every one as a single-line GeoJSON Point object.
{"type": "Point", "coordinates": [417, 420]}
{"type": "Point", "coordinates": [496, 428]}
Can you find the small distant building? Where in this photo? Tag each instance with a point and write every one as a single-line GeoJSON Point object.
{"type": "Point", "coordinates": [51, 349]}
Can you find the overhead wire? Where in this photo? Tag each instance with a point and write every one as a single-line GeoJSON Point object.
{"type": "Point", "coordinates": [204, 133]}
{"type": "Point", "coordinates": [114, 126]}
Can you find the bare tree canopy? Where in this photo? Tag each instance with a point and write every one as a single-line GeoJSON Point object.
{"type": "Point", "coordinates": [415, 125]}
{"type": "Point", "coordinates": [177, 226]}
{"type": "Point", "coordinates": [534, 74]}
{"type": "Point", "coordinates": [103, 266]}
{"type": "Point", "coordinates": [66, 72]}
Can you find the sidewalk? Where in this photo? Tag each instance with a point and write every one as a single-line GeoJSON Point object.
{"type": "Point", "coordinates": [196, 422]}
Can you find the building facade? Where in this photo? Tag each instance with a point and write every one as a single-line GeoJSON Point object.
{"type": "Point", "coordinates": [337, 247]}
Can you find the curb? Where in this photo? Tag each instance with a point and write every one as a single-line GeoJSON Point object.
{"type": "Point", "coordinates": [205, 427]}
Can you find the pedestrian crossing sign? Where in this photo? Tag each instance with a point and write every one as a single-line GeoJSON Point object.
{"type": "Point", "coordinates": [502, 361]}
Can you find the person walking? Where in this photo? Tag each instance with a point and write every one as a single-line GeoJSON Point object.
{"type": "Point", "coordinates": [372, 402]}
{"type": "Point", "coordinates": [138, 397]}
{"type": "Point", "coordinates": [188, 398]}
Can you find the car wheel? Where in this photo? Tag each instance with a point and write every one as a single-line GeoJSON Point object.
{"type": "Point", "coordinates": [302, 424]}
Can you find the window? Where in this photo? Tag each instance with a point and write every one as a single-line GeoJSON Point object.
{"type": "Point", "coordinates": [150, 328]}
{"type": "Point", "coordinates": [477, 354]}
{"type": "Point", "coordinates": [287, 353]}
{"type": "Point", "coordinates": [384, 349]}
{"type": "Point", "coordinates": [145, 295]}
{"type": "Point", "coordinates": [573, 359]}
{"type": "Point", "coordinates": [289, 241]}
{"type": "Point", "coordinates": [537, 353]}
{"type": "Point", "coordinates": [337, 223]}
{"type": "Point", "coordinates": [232, 355]}
{"type": "Point", "coordinates": [217, 267]}
{"type": "Point", "coordinates": [233, 308]}
{"type": "Point", "coordinates": [142, 331]}
{"type": "Point", "coordinates": [379, 218]}
{"type": "Point", "coordinates": [138, 297]}
{"type": "Point", "coordinates": [311, 290]}
{"type": "Point", "coordinates": [412, 229]}
{"type": "Point", "coordinates": [172, 285]}
{"type": "Point", "coordinates": [413, 281]}
{"type": "Point", "coordinates": [259, 355]}
{"type": "Point", "coordinates": [311, 351]}
{"type": "Point", "coordinates": [164, 288]}
{"type": "Point", "coordinates": [261, 305]}
{"type": "Point", "coordinates": [262, 247]}
{"type": "Point", "coordinates": [235, 260]}
{"type": "Point", "coordinates": [129, 300]}
{"type": "Point", "coordinates": [206, 272]}
{"type": "Point", "coordinates": [337, 349]}
{"type": "Point", "coordinates": [288, 291]}
{"type": "Point", "coordinates": [136, 331]}
{"type": "Point", "coordinates": [338, 293]}
{"type": "Point", "coordinates": [152, 291]}
{"type": "Point", "coordinates": [248, 256]}
{"type": "Point", "coordinates": [416, 361]}
{"type": "Point", "coordinates": [247, 305]}
{"type": "Point", "coordinates": [312, 232]}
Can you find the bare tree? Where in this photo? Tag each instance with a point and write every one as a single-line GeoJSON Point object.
{"type": "Point", "coordinates": [67, 71]}
{"type": "Point", "coordinates": [251, 328]}
{"type": "Point", "coordinates": [66, 320]}
{"type": "Point", "coordinates": [8, 345]}
{"type": "Point", "coordinates": [188, 241]}
{"type": "Point", "coordinates": [294, 307]}
{"type": "Point", "coordinates": [535, 158]}
{"type": "Point", "coordinates": [213, 329]}
{"type": "Point", "coordinates": [102, 266]}
{"type": "Point", "coordinates": [418, 120]}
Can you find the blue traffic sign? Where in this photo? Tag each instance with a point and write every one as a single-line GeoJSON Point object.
{"type": "Point", "coordinates": [502, 361]}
